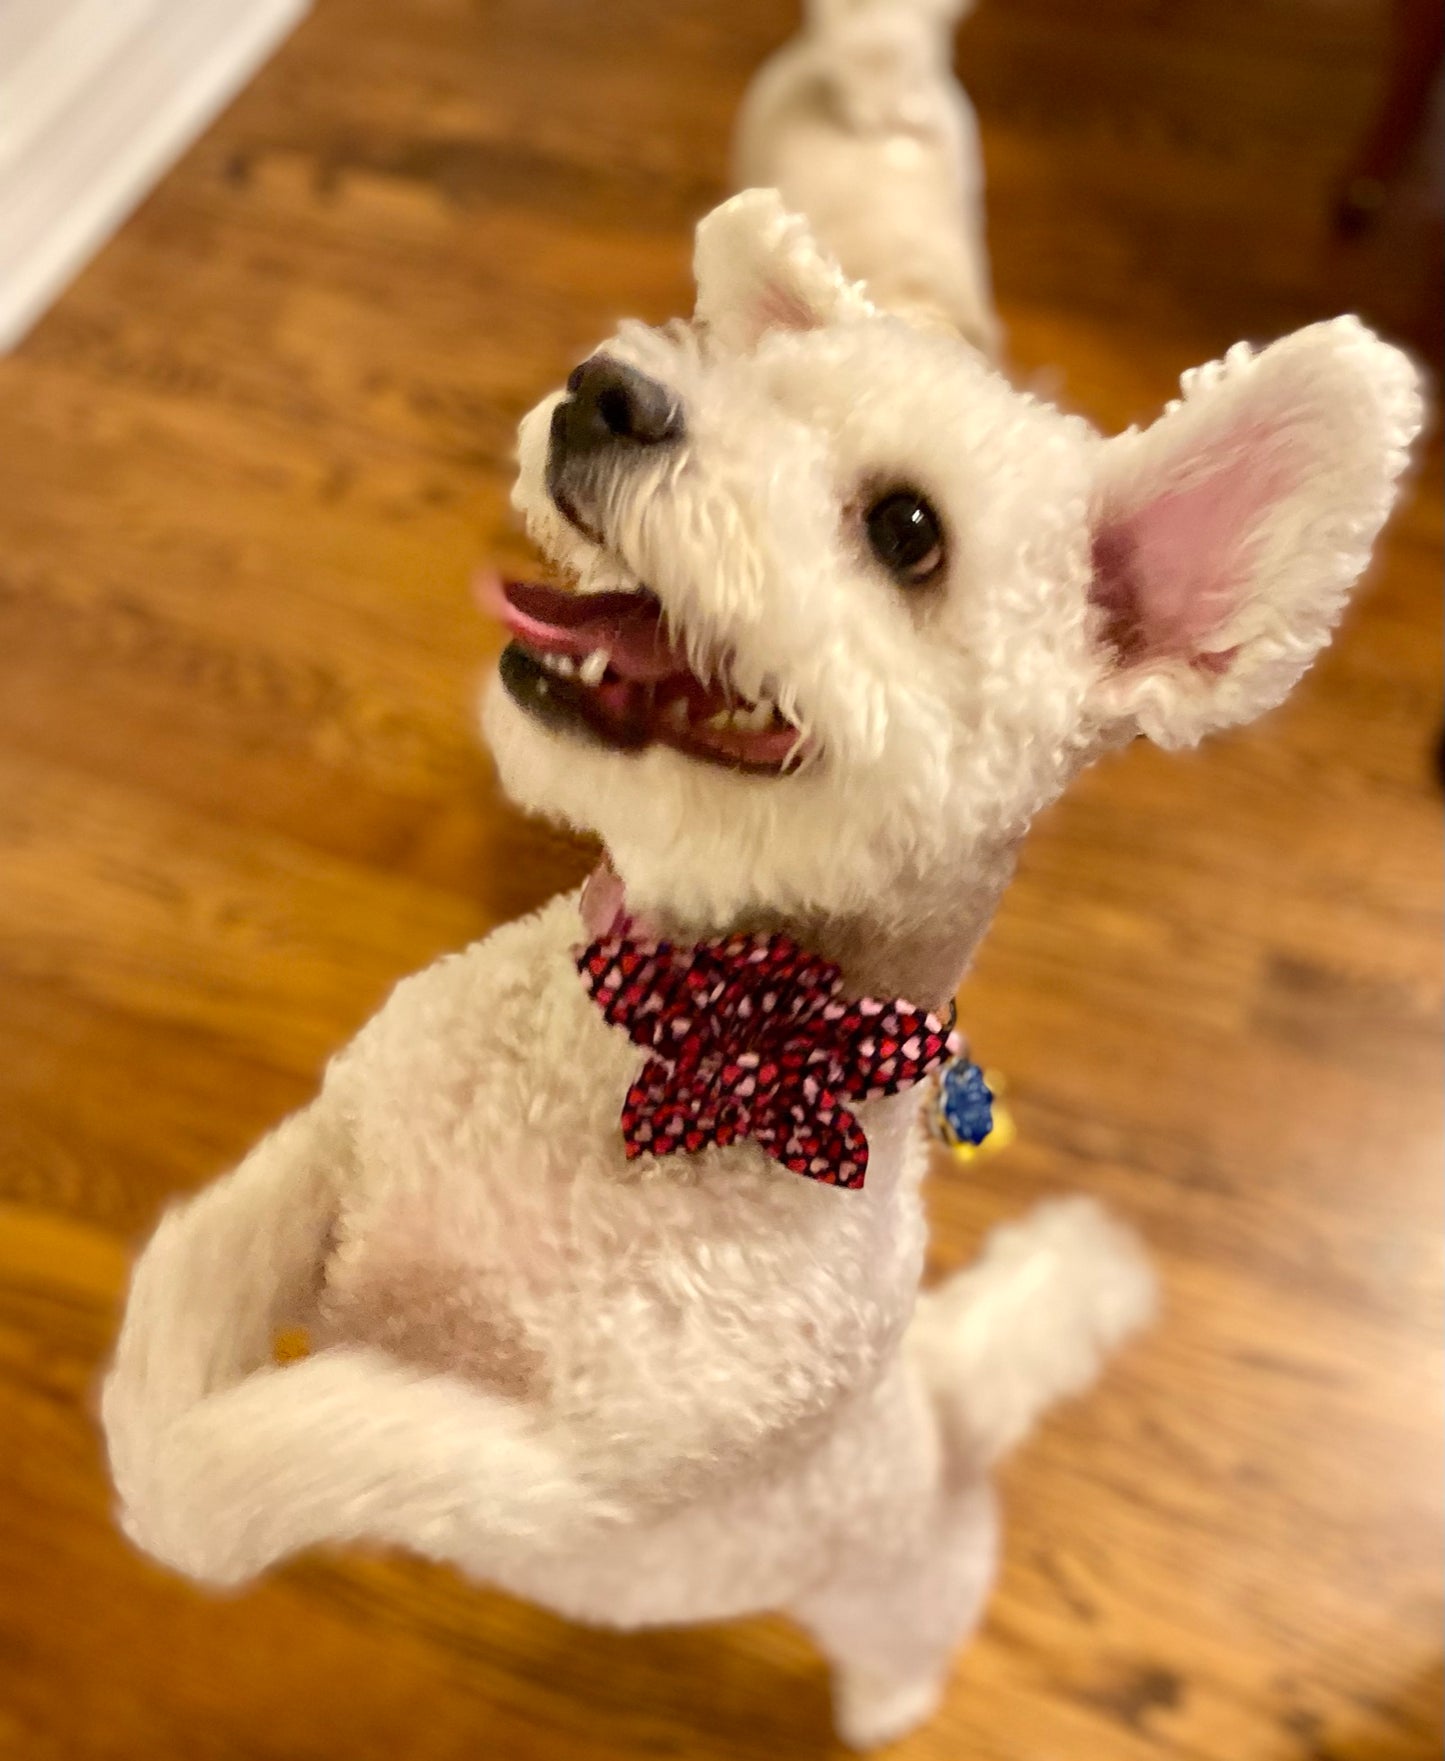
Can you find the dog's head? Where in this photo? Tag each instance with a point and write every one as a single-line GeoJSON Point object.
{"type": "Point", "coordinates": [844, 606]}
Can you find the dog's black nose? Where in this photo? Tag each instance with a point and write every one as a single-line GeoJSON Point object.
{"type": "Point", "coordinates": [611, 403]}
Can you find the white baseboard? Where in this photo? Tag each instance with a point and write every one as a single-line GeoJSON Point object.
{"type": "Point", "coordinates": [97, 99]}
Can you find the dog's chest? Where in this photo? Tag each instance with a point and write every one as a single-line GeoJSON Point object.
{"type": "Point", "coordinates": [494, 1227]}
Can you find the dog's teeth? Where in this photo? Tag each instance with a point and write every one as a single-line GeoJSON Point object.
{"type": "Point", "coordinates": [751, 719]}
{"type": "Point", "coordinates": [591, 670]}
{"type": "Point", "coordinates": [676, 713]}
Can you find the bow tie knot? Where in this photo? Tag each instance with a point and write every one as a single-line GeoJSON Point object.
{"type": "Point", "coordinates": [751, 1036]}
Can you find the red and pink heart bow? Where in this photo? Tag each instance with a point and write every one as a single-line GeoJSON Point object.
{"type": "Point", "coordinates": [750, 1036]}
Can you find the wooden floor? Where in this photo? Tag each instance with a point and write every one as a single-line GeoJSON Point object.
{"type": "Point", "coordinates": [245, 469]}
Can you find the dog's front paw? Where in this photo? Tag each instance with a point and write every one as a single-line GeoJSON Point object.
{"type": "Point", "coordinates": [167, 1514]}
{"type": "Point", "coordinates": [204, 1557]}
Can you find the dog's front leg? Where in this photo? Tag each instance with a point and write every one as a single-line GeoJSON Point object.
{"type": "Point", "coordinates": [225, 1462]}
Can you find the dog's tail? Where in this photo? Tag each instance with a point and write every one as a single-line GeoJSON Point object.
{"type": "Point", "coordinates": [883, 56]}
{"type": "Point", "coordinates": [1030, 1323]}
{"type": "Point", "coordinates": [226, 1462]}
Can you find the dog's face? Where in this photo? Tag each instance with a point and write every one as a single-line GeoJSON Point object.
{"type": "Point", "coordinates": [844, 609]}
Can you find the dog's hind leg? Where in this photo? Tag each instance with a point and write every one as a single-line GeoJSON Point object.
{"type": "Point", "coordinates": [890, 1622]}
{"type": "Point", "coordinates": [911, 1544]}
{"type": "Point", "coordinates": [1032, 1321]}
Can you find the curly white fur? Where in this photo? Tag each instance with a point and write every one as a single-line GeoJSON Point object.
{"type": "Point", "coordinates": [687, 1388]}
{"type": "Point", "coordinates": [640, 1393]}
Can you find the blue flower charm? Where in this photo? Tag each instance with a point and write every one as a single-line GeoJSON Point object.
{"type": "Point", "coordinates": [965, 1103]}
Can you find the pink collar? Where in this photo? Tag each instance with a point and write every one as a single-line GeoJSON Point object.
{"type": "Point", "coordinates": [603, 904]}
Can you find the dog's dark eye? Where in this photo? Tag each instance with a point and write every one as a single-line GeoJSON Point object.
{"type": "Point", "coordinates": [906, 536]}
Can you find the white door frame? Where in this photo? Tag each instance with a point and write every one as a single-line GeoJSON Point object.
{"type": "Point", "coordinates": [97, 99]}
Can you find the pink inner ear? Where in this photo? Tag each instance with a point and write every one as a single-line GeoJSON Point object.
{"type": "Point", "coordinates": [778, 308]}
{"type": "Point", "coordinates": [1171, 572]}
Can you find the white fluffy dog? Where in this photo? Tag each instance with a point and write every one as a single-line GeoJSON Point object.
{"type": "Point", "coordinates": [891, 606]}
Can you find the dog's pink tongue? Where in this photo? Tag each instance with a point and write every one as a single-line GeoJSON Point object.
{"type": "Point", "coordinates": [628, 626]}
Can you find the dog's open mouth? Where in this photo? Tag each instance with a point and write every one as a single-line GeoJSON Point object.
{"type": "Point", "coordinates": [605, 664]}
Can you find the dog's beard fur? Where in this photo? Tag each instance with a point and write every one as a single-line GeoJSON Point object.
{"type": "Point", "coordinates": [1168, 582]}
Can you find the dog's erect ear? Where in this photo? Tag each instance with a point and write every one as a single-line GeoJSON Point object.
{"type": "Point", "coordinates": [1226, 536]}
{"type": "Point", "coordinates": [759, 268]}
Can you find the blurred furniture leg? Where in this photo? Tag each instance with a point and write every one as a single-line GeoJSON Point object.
{"type": "Point", "coordinates": [1417, 37]}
